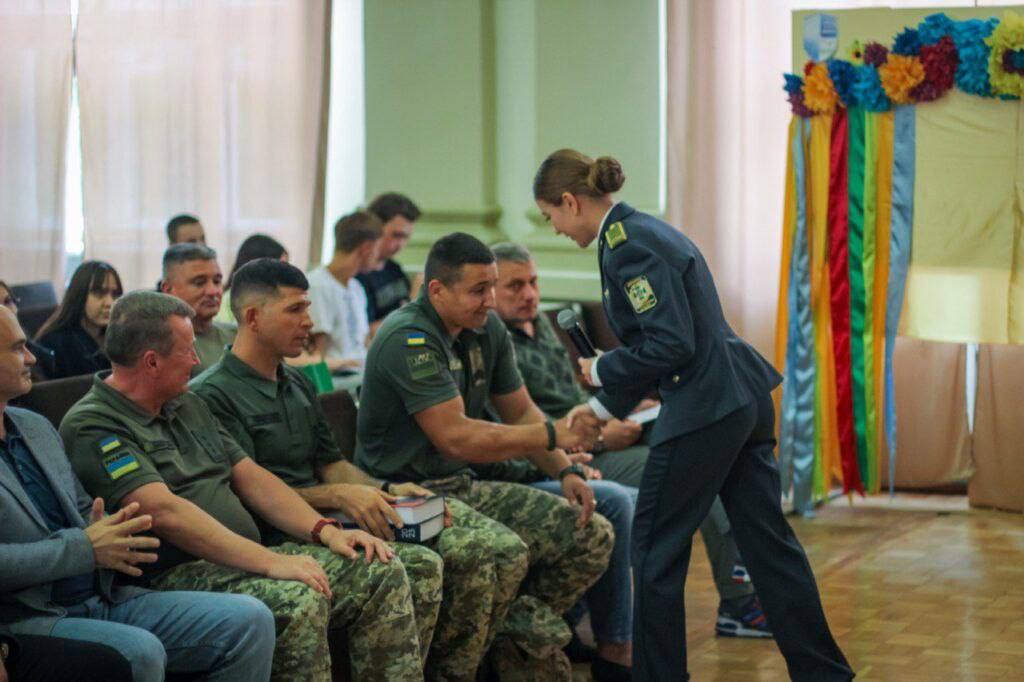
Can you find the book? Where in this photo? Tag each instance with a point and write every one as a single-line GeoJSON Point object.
{"type": "Point", "coordinates": [423, 518]}
{"type": "Point", "coordinates": [644, 416]}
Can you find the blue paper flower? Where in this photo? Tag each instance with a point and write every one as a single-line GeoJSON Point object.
{"type": "Point", "coordinates": [933, 28]}
{"type": "Point", "coordinates": [868, 89]}
{"type": "Point", "coordinates": [969, 38]}
{"type": "Point", "coordinates": [907, 43]}
{"type": "Point", "coordinates": [794, 83]}
{"type": "Point", "coordinates": [843, 75]}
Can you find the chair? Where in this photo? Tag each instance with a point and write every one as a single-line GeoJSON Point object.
{"type": "Point", "coordinates": [32, 319]}
{"type": "Point", "coordinates": [340, 410]}
{"type": "Point", "coordinates": [35, 295]}
{"type": "Point", "coordinates": [53, 399]}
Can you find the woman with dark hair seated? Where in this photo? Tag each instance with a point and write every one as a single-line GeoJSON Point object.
{"type": "Point", "coordinates": [75, 330]}
{"type": "Point", "coordinates": [254, 246]}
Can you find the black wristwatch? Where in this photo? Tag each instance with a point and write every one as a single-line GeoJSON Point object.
{"type": "Point", "coordinates": [386, 487]}
{"type": "Point", "coordinates": [572, 469]}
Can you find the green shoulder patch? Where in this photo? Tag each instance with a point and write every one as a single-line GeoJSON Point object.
{"type": "Point", "coordinates": [615, 235]}
{"type": "Point", "coordinates": [422, 364]}
{"type": "Point", "coordinates": [120, 463]}
{"type": "Point", "coordinates": [641, 294]}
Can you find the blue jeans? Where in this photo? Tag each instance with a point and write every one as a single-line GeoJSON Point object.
{"type": "Point", "coordinates": [225, 636]}
{"type": "Point", "coordinates": [610, 598]}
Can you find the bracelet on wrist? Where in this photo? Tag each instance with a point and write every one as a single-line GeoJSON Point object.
{"type": "Point", "coordinates": [552, 439]}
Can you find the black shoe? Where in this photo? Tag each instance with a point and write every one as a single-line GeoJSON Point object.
{"type": "Point", "coordinates": [578, 652]}
{"type": "Point", "coordinates": [603, 670]}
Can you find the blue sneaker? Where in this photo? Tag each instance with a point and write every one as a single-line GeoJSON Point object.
{"type": "Point", "coordinates": [747, 620]}
{"type": "Point", "coordinates": [740, 575]}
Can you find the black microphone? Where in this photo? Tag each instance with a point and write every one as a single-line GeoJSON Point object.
{"type": "Point", "coordinates": [569, 323]}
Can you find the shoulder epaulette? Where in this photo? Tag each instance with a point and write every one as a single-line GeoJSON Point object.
{"type": "Point", "coordinates": [615, 235]}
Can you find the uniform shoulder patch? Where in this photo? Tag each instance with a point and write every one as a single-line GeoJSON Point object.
{"type": "Point", "coordinates": [422, 365]}
{"type": "Point", "coordinates": [641, 294]}
{"type": "Point", "coordinates": [615, 235]}
{"type": "Point", "coordinates": [415, 339]}
{"type": "Point", "coordinates": [118, 460]}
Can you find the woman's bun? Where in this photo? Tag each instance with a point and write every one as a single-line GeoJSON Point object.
{"type": "Point", "coordinates": [606, 175]}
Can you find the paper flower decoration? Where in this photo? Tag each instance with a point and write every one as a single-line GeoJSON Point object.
{"type": "Point", "coordinates": [1006, 43]}
{"type": "Point", "coordinates": [794, 83]}
{"type": "Point", "coordinates": [868, 89]}
{"type": "Point", "coordinates": [900, 75]}
{"type": "Point", "coordinates": [875, 54]}
{"type": "Point", "coordinates": [794, 88]}
{"type": "Point", "coordinates": [972, 72]}
{"type": "Point", "coordinates": [939, 61]}
{"type": "Point", "coordinates": [819, 93]}
{"type": "Point", "coordinates": [933, 28]}
{"type": "Point", "coordinates": [907, 43]}
{"type": "Point", "coordinates": [856, 53]}
{"type": "Point", "coordinates": [843, 74]}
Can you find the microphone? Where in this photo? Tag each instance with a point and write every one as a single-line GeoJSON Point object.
{"type": "Point", "coordinates": [569, 323]}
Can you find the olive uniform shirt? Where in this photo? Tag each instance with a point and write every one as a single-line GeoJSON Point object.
{"type": "Point", "coordinates": [211, 344]}
{"type": "Point", "coordinates": [116, 447]}
{"type": "Point", "coordinates": [279, 423]}
{"type": "Point", "coordinates": [414, 364]}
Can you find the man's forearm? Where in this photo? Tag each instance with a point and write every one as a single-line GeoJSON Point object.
{"type": "Point", "coordinates": [189, 528]}
{"type": "Point", "coordinates": [274, 501]}
{"type": "Point", "coordinates": [551, 462]}
{"type": "Point", "coordinates": [480, 442]}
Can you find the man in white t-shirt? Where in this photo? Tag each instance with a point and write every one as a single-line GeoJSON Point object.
{"type": "Point", "coordinates": [341, 325]}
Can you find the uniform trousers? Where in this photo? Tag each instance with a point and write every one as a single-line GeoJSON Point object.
{"type": "Point", "coordinates": [732, 458]}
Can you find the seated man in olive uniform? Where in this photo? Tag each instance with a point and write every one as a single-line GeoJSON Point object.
{"type": "Point", "coordinates": [430, 370]}
{"type": "Point", "coordinates": [621, 453]}
{"type": "Point", "coordinates": [192, 274]}
{"type": "Point", "coordinates": [139, 436]}
{"type": "Point", "coordinates": [271, 410]}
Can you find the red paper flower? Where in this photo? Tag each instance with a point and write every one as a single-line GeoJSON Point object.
{"type": "Point", "coordinates": [940, 61]}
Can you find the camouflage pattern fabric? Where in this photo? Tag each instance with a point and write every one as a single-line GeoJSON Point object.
{"type": "Point", "coordinates": [564, 561]}
{"type": "Point", "coordinates": [484, 563]}
{"type": "Point", "coordinates": [372, 602]}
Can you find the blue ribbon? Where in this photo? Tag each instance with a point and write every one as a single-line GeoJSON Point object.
{"type": "Point", "coordinates": [904, 159]}
{"type": "Point", "coordinates": [796, 450]}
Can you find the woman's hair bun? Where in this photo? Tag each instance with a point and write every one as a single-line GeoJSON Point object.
{"type": "Point", "coordinates": [606, 175]}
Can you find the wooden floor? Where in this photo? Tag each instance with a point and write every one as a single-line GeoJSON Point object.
{"type": "Point", "coordinates": [920, 589]}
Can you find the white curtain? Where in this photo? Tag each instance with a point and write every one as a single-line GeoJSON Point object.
{"type": "Point", "coordinates": [35, 96]}
{"type": "Point", "coordinates": [210, 107]}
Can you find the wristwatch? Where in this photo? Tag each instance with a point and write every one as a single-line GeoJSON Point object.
{"type": "Point", "coordinates": [572, 469]}
{"type": "Point", "coordinates": [315, 533]}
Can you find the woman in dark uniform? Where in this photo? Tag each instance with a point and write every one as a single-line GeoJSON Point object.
{"type": "Point", "coordinates": [715, 433]}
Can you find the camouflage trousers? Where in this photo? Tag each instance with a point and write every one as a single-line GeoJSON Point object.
{"type": "Point", "coordinates": [564, 560]}
{"type": "Point", "coordinates": [373, 603]}
{"type": "Point", "coordinates": [484, 563]}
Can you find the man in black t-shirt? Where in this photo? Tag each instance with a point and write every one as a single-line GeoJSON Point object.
{"type": "Point", "coordinates": [388, 287]}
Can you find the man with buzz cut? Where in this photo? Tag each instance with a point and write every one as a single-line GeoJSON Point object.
{"type": "Point", "coordinates": [191, 273]}
{"type": "Point", "coordinates": [139, 437]}
{"type": "Point", "coordinates": [271, 410]}
{"type": "Point", "coordinates": [185, 229]}
{"type": "Point", "coordinates": [431, 369]}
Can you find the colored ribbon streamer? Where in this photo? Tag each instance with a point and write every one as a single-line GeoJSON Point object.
{"type": "Point", "coordinates": [855, 252]}
{"type": "Point", "coordinates": [785, 305]}
{"type": "Point", "coordinates": [883, 221]}
{"type": "Point", "coordinates": [868, 338]}
{"type": "Point", "coordinates": [838, 226]}
{"type": "Point", "coordinates": [899, 259]}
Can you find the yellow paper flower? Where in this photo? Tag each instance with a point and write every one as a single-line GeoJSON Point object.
{"type": "Point", "coordinates": [819, 93]}
{"type": "Point", "coordinates": [1007, 38]}
{"type": "Point", "coordinates": [855, 53]}
{"type": "Point", "coordinates": [900, 74]}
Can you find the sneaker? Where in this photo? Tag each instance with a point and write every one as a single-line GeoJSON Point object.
{"type": "Point", "coordinates": [740, 575]}
{"type": "Point", "coordinates": [609, 671]}
{"type": "Point", "coordinates": [746, 620]}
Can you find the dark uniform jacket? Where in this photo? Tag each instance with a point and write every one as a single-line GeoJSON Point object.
{"type": "Point", "coordinates": [661, 302]}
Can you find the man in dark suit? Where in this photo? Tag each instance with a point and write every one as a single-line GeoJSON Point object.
{"type": "Point", "coordinates": [57, 572]}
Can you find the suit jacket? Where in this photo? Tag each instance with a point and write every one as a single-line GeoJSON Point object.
{"type": "Point", "coordinates": [661, 301]}
{"type": "Point", "coordinates": [31, 557]}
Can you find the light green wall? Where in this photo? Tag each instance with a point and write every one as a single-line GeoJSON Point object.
{"type": "Point", "coordinates": [464, 99]}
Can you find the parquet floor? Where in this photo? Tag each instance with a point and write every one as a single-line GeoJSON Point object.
{"type": "Point", "coordinates": [911, 595]}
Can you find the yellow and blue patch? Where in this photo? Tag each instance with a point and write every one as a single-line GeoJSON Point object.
{"type": "Point", "coordinates": [415, 339]}
{"type": "Point", "coordinates": [119, 464]}
{"type": "Point", "coordinates": [109, 444]}
{"type": "Point", "coordinates": [615, 235]}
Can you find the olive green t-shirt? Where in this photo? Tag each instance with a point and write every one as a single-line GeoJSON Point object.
{"type": "Point", "coordinates": [413, 364]}
{"type": "Point", "coordinates": [211, 344]}
{"type": "Point", "coordinates": [115, 447]}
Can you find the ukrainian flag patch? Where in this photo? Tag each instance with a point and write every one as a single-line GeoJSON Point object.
{"type": "Point", "coordinates": [415, 339]}
{"type": "Point", "coordinates": [119, 464]}
{"type": "Point", "coordinates": [109, 444]}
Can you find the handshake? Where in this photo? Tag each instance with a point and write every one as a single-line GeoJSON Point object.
{"type": "Point", "coordinates": [578, 430]}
